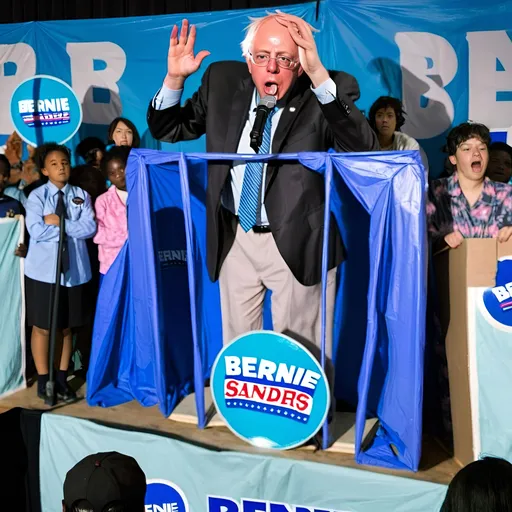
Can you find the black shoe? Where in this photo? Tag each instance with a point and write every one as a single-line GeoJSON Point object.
{"type": "Point", "coordinates": [65, 392]}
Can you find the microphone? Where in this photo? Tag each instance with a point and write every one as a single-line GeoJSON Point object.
{"type": "Point", "coordinates": [263, 109]}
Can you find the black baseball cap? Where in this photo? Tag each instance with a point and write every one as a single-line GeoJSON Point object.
{"type": "Point", "coordinates": [103, 478]}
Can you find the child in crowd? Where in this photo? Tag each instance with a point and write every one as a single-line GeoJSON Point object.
{"type": "Point", "coordinates": [9, 207]}
{"type": "Point", "coordinates": [387, 117]}
{"type": "Point", "coordinates": [122, 132]}
{"type": "Point", "coordinates": [500, 162]}
{"type": "Point", "coordinates": [111, 208]}
{"type": "Point", "coordinates": [467, 204]}
{"type": "Point", "coordinates": [44, 205]}
{"type": "Point", "coordinates": [91, 151]}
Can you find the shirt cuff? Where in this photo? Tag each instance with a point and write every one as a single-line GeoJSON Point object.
{"type": "Point", "coordinates": [166, 98]}
{"type": "Point", "coordinates": [326, 92]}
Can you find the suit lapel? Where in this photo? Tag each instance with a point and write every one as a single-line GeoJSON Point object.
{"type": "Point", "coordinates": [238, 116]}
{"type": "Point", "coordinates": [290, 113]}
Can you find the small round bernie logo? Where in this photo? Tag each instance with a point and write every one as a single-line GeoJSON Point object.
{"type": "Point", "coordinates": [498, 300]}
{"type": "Point", "coordinates": [270, 390]}
{"type": "Point", "coordinates": [164, 496]}
{"type": "Point", "coordinates": [44, 109]}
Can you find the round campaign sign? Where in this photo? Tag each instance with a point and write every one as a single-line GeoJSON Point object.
{"type": "Point", "coordinates": [270, 390]}
{"type": "Point", "coordinates": [45, 109]}
{"type": "Point", "coordinates": [164, 496]}
{"type": "Point", "coordinates": [498, 300]}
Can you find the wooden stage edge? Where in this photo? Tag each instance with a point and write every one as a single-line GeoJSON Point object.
{"type": "Point", "coordinates": [436, 466]}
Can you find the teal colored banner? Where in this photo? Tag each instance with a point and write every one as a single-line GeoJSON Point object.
{"type": "Point", "coordinates": [212, 481]}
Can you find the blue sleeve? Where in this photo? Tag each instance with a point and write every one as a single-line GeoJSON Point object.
{"type": "Point", "coordinates": [85, 226]}
{"type": "Point", "coordinates": [17, 194]}
{"type": "Point", "coordinates": [166, 98]}
{"type": "Point", "coordinates": [326, 92]}
{"type": "Point", "coordinates": [36, 227]}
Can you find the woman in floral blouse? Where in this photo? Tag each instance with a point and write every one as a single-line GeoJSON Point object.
{"type": "Point", "coordinates": [467, 204]}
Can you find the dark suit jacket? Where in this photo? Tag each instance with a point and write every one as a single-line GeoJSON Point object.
{"type": "Point", "coordinates": [294, 195]}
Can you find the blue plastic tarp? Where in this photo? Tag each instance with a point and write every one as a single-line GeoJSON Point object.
{"type": "Point", "coordinates": [158, 326]}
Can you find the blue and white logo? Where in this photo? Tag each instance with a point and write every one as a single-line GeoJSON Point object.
{"type": "Point", "coordinates": [498, 300]}
{"type": "Point", "coordinates": [270, 390]}
{"type": "Point", "coordinates": [45, 109]}
{"type": "Point", "coordinates": [164, 496]}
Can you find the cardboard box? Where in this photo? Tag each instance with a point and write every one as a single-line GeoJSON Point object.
{"type": "Point", "coordinates": [463, 276]}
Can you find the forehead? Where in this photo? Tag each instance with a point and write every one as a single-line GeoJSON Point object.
{"type": "Point", "coordinates": [272, 35]}
{"type": "Point", "coordinates": [53, 155]}
{"type": "Point", "coordinates": [501, 153]}
{"type": "Point", "coordinates": [473, 141]}
{"type": "Point", "coordinates": [115, 162]}
{"type": "Point", "coordinates": [386, 110]}
{"type": "Point", "coordinates": [121, 125]}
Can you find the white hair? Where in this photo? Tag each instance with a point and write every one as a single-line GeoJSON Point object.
{"type": "Point", "coordinates": [252, 28]}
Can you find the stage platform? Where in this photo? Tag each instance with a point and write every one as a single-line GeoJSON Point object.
{"type": "Point", "coordinates": [436, 466]}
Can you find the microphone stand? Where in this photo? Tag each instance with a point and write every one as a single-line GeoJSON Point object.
{"type": "Point", "coordinates": [54, 314]}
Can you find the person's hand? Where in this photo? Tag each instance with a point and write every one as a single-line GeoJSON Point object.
{"type": "Point", "coordinates": [504, 234]}
{"type": "Point", "coordinates": [181, 62]}
{"type": "Point", "coordinates": [302, 33]}
{"type": "Point", "coordinates": [13, 148]}
{"type": "Point", "coordinates": [454, 239]}
{"type": "Point", "coordinates": [29, 172]}
{"type": "Point", "coordinates": [21, 251]}
{"type": "Point", "coordinates": [52, 219]}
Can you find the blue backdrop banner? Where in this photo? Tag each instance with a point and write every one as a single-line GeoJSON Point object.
{"type": "Point", "coordinates": [448, 62]}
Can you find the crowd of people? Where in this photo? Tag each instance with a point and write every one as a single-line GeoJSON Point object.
{"type": "Point", "coordinates": [474, 201]}
{"type": "Point", "coordinates": [92, 196]}
{"type": "Point", "coordinates": [261, 213]}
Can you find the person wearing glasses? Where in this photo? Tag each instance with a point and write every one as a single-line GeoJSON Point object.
{"type": "Point", "coordinates": [265, 222]}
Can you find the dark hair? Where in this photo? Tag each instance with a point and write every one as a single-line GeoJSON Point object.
{"type": "Point", "coordinates": [501, 146]}
{"type": "Point", "coordinates": [86, 506]}
{"type": "Point", "coordinates": [116, 153]}
{"type": "Point", "coordinates": [87, 149]}
{"type": "Point", "coordinates": [385, 102]}
{"type": "Point", "coordinates": [464, 132]}
{"type": "Point", "coordinates": [127, 122]}
{"type": "Point", "coordinates": [44, 150]}
{"type": "Point", "coordinates": [484, 485]}
{"type": "Point", "coordinates": [4, 160]}
{"type": "Point", "coordinates": [84, 175]}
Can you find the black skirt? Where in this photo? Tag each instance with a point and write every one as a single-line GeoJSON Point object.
{"type": "Point", "coordinates": [75, 304]}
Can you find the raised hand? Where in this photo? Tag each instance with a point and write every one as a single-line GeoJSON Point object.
{"type": "Point", "coordinates": [454, 239]}
{"type": "Point", "coordinates": [302, 33]}
{"type": "Point", "coordinates": [181, 61]}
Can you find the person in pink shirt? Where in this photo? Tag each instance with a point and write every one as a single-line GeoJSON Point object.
{"type": "Point", "coordinates": [111, 209]}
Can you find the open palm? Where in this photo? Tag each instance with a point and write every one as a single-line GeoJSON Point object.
{"type": "Point", "coordinates": [181, 61]}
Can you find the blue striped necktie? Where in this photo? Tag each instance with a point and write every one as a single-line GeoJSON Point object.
{"type": "Point", "coordinates": [250, 197]}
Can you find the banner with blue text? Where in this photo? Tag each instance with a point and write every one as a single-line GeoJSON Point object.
{"type": "Point", "coordinates": [448, 62]}
{"type": "Point", "coordinates": [186, 478]}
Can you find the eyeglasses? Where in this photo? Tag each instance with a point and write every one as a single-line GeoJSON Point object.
{"type": "Point", "coordinates": [262, 59]}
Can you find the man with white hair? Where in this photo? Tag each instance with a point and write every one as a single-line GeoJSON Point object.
{"type": "Point", "coordinates": [265, 222]}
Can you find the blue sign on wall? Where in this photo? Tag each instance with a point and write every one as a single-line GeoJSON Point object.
{"type": "Point", "coordinates": [45, 109]}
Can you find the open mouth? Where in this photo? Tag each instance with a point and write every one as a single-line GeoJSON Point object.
{"type": "Point", "coordinates": [270, 88]}
{"type": "Point", "coordinates": [476, 166]}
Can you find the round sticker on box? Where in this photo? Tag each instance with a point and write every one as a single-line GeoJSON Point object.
{"type": "Point", "coordinates": [270, 390]}
{"type": "Point", "coordinates": [498, 299]}
{"type": "Point", "coordinates": [45, 109]}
